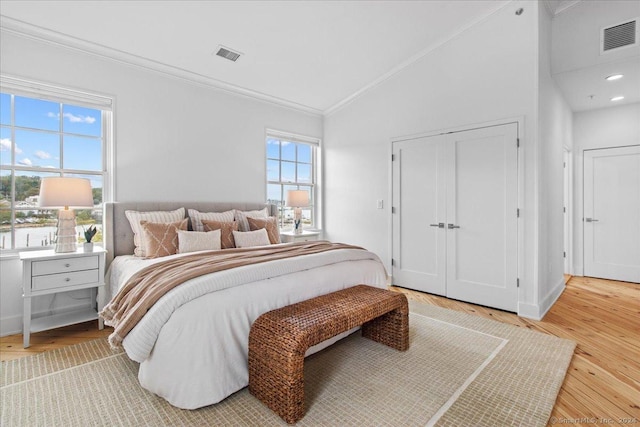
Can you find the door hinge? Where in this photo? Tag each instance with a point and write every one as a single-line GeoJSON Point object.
{"type": "Point", "coordinates": [393, 157]}
{"type": "Point", "coordinates": [564, 209]}
{"type": "Point", "coordinates": [393, 262]}
{"type": "Point", "coordinates": [564, 254]}
{"type": "Point", "coordinates": [518, 142]}
{"type": "Point", "coordinates": [518, 213]}
{"type": "Point", "coordinates": [393, 209]}
{"type": "Point", "coordinates": [518, 282]}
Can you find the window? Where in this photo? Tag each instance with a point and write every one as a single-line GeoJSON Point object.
{"type": "Point", "coordinates": [49, 131]}
{"type": "Point", "coordinates": [292, 164]}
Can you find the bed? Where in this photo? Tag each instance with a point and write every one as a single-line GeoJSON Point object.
{"type": "Point", "coordinates": [192, 345]}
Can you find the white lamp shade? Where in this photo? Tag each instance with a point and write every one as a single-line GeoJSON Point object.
{"type": "Point", "coordinates": [297, 198]}
{"type": "Point", "coordinates": [58, 192]}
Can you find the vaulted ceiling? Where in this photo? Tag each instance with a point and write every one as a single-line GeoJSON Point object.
{"type": "Point", "coordinates": [312, 55]}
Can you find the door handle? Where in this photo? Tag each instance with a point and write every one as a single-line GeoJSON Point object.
{"type": "Point", "coordinates": [452, 226]}
{"type": "Point", "coordinates": [439, 225]}
{"type": "Point", "coordinates": [590, 220]}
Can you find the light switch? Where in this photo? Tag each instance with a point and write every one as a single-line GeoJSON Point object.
{"type": "Point", "coordinates": [380, 204]}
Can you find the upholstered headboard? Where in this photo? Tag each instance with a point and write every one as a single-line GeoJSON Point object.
{"type": "Point", "coordinates": [117, 234]}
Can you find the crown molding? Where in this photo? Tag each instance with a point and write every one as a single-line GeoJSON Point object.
{"type": "Point", "coordinates": [415, 58]}
{"type": "Point", "coordinates": [26, 30]}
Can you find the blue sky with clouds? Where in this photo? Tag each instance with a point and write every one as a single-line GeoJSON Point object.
{"type": "Point", "coordinates": [36, 146]}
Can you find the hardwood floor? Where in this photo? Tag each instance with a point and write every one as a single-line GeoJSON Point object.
{"type": "Point", "coordinates": [11, 346]}
{"type": "Point", "coordinates": [602, 385]}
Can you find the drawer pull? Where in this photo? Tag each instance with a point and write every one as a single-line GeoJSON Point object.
{"type": "Point", "coordinates": [67, 265]}
{"type": "Point", "coordinates": [67, 279]}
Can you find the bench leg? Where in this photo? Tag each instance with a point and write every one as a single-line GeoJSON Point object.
{"type": "Point", "coordinates": [277, 380]}
{"type": "Point", "coordinates": [391, 329]}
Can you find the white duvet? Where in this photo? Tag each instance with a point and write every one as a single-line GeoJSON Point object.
{"type": "Point", "coordinates": [192, 345]}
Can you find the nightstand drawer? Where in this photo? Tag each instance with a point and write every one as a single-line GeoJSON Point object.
{"type": "Point", "coordinates": [40, 268]}
{"type": "Point", "coordinates": [52, 281]}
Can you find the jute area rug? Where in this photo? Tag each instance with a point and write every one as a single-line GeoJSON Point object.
{"type": "Point", "coordinates": [460, 370]}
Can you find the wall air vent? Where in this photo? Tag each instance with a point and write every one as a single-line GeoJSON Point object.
{"type": "Point", "coordinates": [228, 53]}
{"type": "Point", "coordinates": [618, 36]}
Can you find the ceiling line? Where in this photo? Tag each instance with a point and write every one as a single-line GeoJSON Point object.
{"type": "Point", "coordinates": [413, 59]}
{"type": "Point", "coordinates": [20, 28]}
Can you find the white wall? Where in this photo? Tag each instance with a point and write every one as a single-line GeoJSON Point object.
{"type": "Point", "coordinates": [487, 73]}
{"type": "Point", "coordinates": [174, 140]}
{"type": "Point", "coordinates": [604, 128]}
{"type": "Point", "coordinates": [554, 133]}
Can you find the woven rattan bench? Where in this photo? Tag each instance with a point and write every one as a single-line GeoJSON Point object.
{"type": "Point", "coordinates": [279, 339]}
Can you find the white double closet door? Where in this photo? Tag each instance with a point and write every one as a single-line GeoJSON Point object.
{"type": "Point", "coordinates": [455, 224]}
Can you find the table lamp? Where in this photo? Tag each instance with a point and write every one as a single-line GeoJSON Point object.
{"type": "Point", "coordinates": [297, 199]}
{"type": "Point", "coordinates": [66, 193]}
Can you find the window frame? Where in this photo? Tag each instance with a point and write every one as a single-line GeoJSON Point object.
{"type": "Point", "coordinates": [62, 96]}
{"type": "Point", "coordinates": [314, 185]}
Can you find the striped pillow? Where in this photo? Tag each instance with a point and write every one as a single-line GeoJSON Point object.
{"type": "Point", "coordinates": [241, 217]}
{"type": "Point", "coordinates": [197, 217]}
{"type": "Point", "coordinates": [135, 217]}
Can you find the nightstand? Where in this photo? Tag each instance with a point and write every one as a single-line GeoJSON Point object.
{"type": "Point", "coordinates": [305, 236]}
{"type": "Point", "coordinates": [48, 272]}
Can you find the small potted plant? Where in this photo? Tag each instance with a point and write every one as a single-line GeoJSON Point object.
{"type": "Point", "coordinates": [88, 235]}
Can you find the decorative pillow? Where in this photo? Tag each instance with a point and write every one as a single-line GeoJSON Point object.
{"type": "Point", "coordinates": [192, 241]}
{"type": "Point", "coordinates": [197, 217]}
{"type": "Point", "coordinates": [161, 238]}
{"type": "Point", "coordinates": [226, 231]}
{"type": "Point", "coordinates": [135, 217]}
{"type": "Point", "coordinates": [245, 239]}
{"type": "Point", "coordinates": [241, 217]}
{"type": "Point", "coordinates": [270, 224]}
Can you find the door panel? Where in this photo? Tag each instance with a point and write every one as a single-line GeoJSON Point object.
{"type": "Point", "coordinates": [612, 213]}
{"type": "Point", "coordinates": [418, 199]}
{"type": "Point", "coordinates": [482, 202]}
{"type": "Point", "coordinates": [468, 180]}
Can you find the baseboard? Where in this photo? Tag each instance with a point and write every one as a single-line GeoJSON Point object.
{"type": "Point", "coordinates": [10, 325]}
{"type": "Point", "coordinates": [530, 311]}
{"type": "Point", "coordinates": [552, 297]}
{"type": "Point", "coordinates": [538, 311]}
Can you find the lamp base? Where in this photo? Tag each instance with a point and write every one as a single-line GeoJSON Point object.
{"type": "Point", "coordinates": [66, 240]}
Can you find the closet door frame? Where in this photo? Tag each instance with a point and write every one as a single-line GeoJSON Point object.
{"type": "Point", "coordinates": [520, 122]}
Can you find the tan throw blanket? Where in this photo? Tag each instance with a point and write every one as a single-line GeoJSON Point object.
{"type": "Point", "coordinates": [149, 284]}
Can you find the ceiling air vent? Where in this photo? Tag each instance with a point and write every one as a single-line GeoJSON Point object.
{"type": "Point", "coordinates": [619, 36]}
{"type": "Point", "coordinates": [228, 53]}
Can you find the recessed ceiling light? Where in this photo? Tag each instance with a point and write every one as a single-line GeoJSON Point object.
{"type": "Point", "coordinates": [613, 77]}
{"type": "Point", "coordinates": [617, 98]}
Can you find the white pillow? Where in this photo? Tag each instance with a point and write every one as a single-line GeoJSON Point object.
{"type": "Point", "coordinates": [192, 241]}
{"type": "Point", "coordinates": [135, 217]}
{"type": "Point", "coordinates": [197, 217]}
{"type": "Point", "coordinates": [245, 239]}
{"type": "Point", "coordinates": [241, 217]}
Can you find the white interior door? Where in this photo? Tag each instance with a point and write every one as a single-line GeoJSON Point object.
{"type": "Point", "coordinates": [455, 215]}
{"type": "Point", "coordinates": [482, 222]}
{"type": "Point", "coordinates": [419, 205]}
{"type": "Point", "coordinates": [612, 213]}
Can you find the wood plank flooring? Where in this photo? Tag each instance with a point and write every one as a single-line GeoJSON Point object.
{"type": "Point", "coordinates": [602, 385]}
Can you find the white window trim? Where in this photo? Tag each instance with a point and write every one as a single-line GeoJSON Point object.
{"type": "Point", "coordinates": [317, 168]}
{"type": "Point", "coordinates": [67, 95]}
